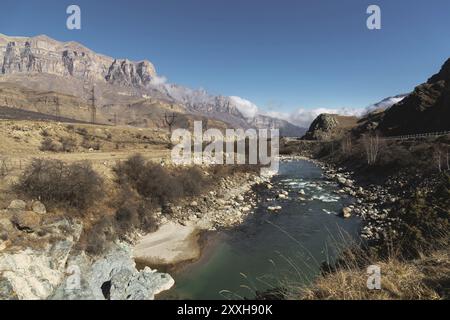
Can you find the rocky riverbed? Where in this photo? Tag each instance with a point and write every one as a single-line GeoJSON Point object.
{"type": "Point", "coordinates": [373, 203]}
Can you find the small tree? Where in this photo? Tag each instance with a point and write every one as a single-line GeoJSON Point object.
{"type": "Point", "coordinates": [437, 157]}
{"type": "Point", "coordinates": [346, 144]}
{"type": "Point", "coordinates": [371, 144]}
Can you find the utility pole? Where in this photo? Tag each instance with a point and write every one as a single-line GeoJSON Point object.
{"type": "Point", "coordinates": [93, 106]}
{"type": "Point", "coordinates": [115, 119]}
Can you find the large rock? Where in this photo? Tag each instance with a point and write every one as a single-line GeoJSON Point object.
{"type": "Point", "coordinates": [17, 205]}
{"type": "Point", "coordinates": [35, 274]}
{"type": "Point", "coordinates": [26, 221]}
{"type": "Point", "coordinates": [114, 277]}
{"type": "Point", "coordinates": [38, 207]}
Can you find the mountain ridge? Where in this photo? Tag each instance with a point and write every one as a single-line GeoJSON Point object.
{"type": "Point", "coordinates": [28, 61]}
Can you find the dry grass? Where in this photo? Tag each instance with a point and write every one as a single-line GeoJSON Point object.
{"type": "Point", "coordinates": [427, 278]}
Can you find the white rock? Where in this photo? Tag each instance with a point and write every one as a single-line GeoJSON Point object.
{"type": "Point", "coordinates": [17, 205]}
{"type": "Point", "coordinates": [38, 207]}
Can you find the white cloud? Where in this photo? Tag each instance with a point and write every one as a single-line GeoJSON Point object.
{"type": "Point", "coordinates": [158, 80]}
{"type": "Point", "coordinates": [247, 108]}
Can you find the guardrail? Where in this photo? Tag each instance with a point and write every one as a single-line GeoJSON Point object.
{"type": "Point", "coordinates": [417, 136]}
{"type": "Point", "coordinates": [402, 137]}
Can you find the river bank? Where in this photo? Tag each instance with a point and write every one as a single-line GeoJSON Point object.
{"type": "Point", "coordinates": [178, 240]}
{"type": "Point", "coordinates": [306, 229]}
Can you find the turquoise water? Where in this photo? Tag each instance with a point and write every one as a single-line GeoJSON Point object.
{"type": "Point", "coordinates": [272, 249]}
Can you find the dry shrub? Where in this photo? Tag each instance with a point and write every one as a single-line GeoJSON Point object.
{"type": "Point", "coordinates": [100, 235]}
{"type": "Point", "coordinates": [68, 144]}
{"type": "Point", "coordinates": [48, 144]}
{"type": "Point", "coordinates": [74, 185]}
{"type": "Point", "coordinates": [155, 182]}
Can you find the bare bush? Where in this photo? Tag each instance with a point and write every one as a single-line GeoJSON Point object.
{"type": "Point", "coordinates": [346, 144]}
{"type": "Point", "coordinates": [192, 180]}
{"type": "Point", "coordinates": [5, 168]}
{"type": "Point", "coordinates": [68, 144]}
{"type": "Point", "coordinates": [100, 235]}
{"type": "Point", "coordinates": [90, 143]}
{"type": "Point", "coordinates": [371, 144]}
{"type": "Point", "coordinates": [75, 185]}
{"type": "Point", "coordinates": [49, 145]}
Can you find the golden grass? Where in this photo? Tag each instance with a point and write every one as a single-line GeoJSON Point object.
{"type": "Point", "coordinates": [426, 278]}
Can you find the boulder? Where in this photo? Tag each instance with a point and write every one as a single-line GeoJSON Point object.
{"type": "Point", "coordinates": [26, 221]}
{"type": "Point", "coordinates": [194, 204]}
{"type": "Point", "coordinates": [18, 205]}
{"type": "Point", "coordinates": [38, 207]}
{"type": "Point", "coordinates": [346, 212]}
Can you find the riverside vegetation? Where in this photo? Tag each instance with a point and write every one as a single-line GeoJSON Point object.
{"type": "Point", "coordinates": [83, 217]}
{"type": "Point", "coordinates": [403, 196]}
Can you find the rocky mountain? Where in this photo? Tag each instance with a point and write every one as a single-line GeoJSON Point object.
{"type": "Point", "coordinates": [42, 54]}
{"type": "Point", "coordinates": [286, 128]}
{"type": "Point", "coordinates": [426, 109]}
{"type": "Point", "coordinates": [42, 64]}
{"type": "Point", "coordinates": [330, 126]}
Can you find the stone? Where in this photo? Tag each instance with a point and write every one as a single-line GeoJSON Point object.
{"type": "Point", "coordinates": [346, 212]}
{"type": "Point", "coordinates": [302, 192]}
{"type": "Point", "coordinates": [194, 204]}
{"type": "Point", "coordinates": [6, 225]}
{"type": "Point", "coordinates": [17, 205]}
{"type": "Point", "coordinates": [38, 207]}
{"type": "Point", "coordinates": [6, 290]}
{"type": "Point", "coordinates": [26, 221]}
{"type": "Point", "coordinates": [274, 208]}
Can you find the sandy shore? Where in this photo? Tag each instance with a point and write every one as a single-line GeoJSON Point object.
{"type": "Point", "coordinates": [170, 245]}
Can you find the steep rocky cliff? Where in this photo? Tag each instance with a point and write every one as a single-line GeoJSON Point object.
{"type": "Point", "coordinates": [42, 54]}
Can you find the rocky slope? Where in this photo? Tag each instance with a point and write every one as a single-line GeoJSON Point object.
{"type": "Point", "coordinates": [330, 126]}
{"type": "Point", "coordinates": [426, 109]}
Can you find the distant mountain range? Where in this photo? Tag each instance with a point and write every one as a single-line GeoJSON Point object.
{"type": "Point", "coordinates": [126, 91]}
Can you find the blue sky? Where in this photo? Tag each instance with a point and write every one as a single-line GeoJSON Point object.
{"type": "Point", "coordinates": [281, 54]}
